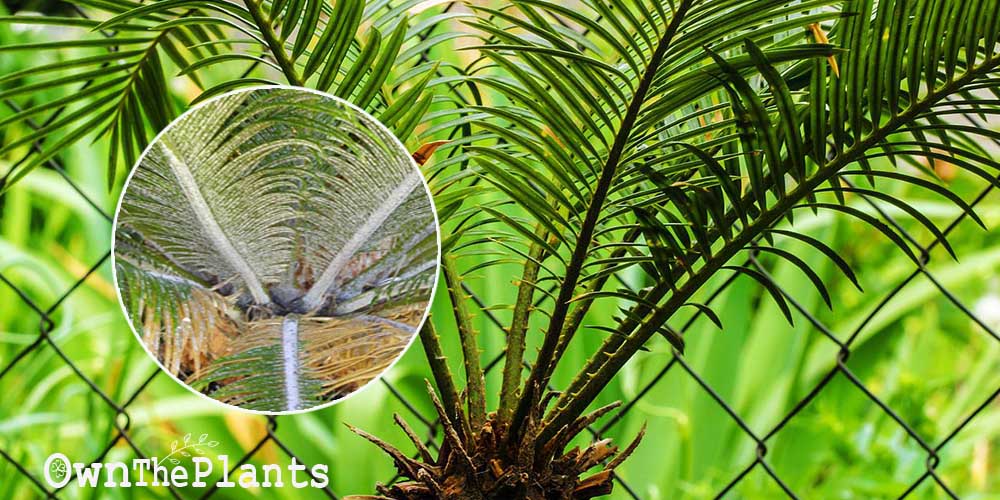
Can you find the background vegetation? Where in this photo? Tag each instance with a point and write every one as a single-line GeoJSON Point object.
{"type": "Point", "coordinates": [921, 355]}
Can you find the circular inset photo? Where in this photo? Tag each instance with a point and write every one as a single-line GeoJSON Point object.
{"type": "Point", "coordinates": [276, 249]}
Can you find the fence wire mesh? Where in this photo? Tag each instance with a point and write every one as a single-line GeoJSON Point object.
{"type": "Point", "coordinates": [843, 341]}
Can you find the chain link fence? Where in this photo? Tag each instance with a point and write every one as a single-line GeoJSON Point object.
{"type": "Point", "coordinates": [843, 341]}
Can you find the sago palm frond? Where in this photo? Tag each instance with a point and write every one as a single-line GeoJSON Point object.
{"type": "Point", "coordinates": [663, 139]}
{"type": "Point", "coordinates": [114, 84]}
{"type": "Point", "coordinates": [272, 204]}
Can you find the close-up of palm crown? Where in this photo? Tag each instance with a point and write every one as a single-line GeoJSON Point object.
{"type": "Point", "coordinates": [261, 207]}
{"type": "Point", "coordinates": [622, 152]}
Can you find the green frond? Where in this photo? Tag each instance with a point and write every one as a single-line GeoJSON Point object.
{"type": "Point", "coordinates": [114, 86]}
{"type": "Point", "coordinates": [709, 124]}
{"type": "Point", "coordinates": [116, 92]}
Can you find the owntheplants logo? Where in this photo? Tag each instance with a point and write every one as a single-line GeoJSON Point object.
{"type": "Point", "coordinates": [170, 470]}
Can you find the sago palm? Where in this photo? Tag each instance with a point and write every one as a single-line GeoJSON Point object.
{"type": "Point", "coordinates": [620, 152]}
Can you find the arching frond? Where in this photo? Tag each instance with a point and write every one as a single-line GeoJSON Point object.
{"type": "Point", "coordinates": [115, 84]}
{"type": "Point", "coordinates": [260, 179]}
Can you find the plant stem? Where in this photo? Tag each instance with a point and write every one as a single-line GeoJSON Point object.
{"type": "Point", "coordinates": [514, 360]}
{"type": "Point", "coordinates": [603, 366]}
{"type": "Point", "coordinates": [546, 362]}
{"type": "Point", "coordinates": [583, 305]}
{"type": "Point", "coordinates": [474, 377]}
{"type": "Point", "coordinates": [277, 49]}
{"type": "Point", "coordinates": [579, 312]}
{"type": "Point", "coordinates": [439, 369]}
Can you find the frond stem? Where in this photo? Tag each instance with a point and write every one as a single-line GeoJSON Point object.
{"type": "Point", "coordinates": [226, 249]}
{"type": "Point", "coordinates": [290, 357]}
{"type": "Point", "coordinates": [582, 306]}
{"type": "Point", "coordinates": [314, 298]}
{"type": "Point", "coordinates": [474, 378]}
{"type": "Point", "coordinates": [275, 45]}
{"type": "Point", "coordinates": [514, 361]}
{"type": "Point", "coordinates": [439, 369]}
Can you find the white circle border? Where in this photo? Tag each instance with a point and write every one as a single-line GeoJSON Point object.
{"type": "Point", "coordinates": [364, 114]}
